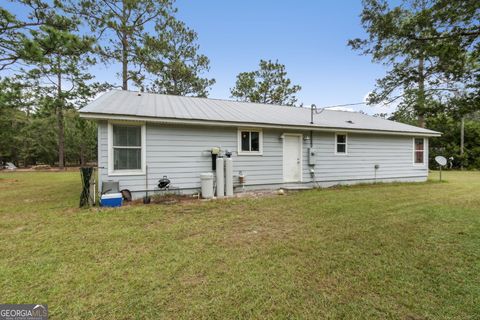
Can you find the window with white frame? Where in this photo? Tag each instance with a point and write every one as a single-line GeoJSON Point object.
{"type": "Point", "coordinates": [419, 150]}
{"type": "Point", "coordinates": [250, 141]}
{"type": "Point", "coordinates": [341, 143]}
{"type": "Point", "coordinates": [126, 148]}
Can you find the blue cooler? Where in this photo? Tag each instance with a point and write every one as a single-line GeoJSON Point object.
{"type": "Point", "coordinates": [111, 200]}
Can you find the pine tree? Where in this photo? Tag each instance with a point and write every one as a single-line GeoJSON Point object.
{"type": "Point", "coordinates": [416, 41]}
{"type": "Point", "coordinates": [61, 73]}
{"type": "Point", "coordinates": [173, 60]}
{"type": "Point", "coordinates": [269, 84]}
{"type": "Point", "coordinates": [121, 27]}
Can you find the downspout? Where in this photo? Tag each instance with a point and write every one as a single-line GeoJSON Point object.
{"type": "Point", "coordinates": [313, 108]}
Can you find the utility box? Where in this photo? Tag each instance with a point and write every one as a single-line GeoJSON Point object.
{"type": "Point", "coordinates": [312, 156]}
{"type": "Point", "coordinates": [110, 187]}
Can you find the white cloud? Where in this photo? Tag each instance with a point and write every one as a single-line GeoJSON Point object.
{"type": "Point", "coordinates": [382, 107]}
{"type": "Point", "coordinates": [341, 109]}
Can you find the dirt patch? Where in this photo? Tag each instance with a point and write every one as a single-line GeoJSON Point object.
{"type": "Point", "coordinates": [7, 183]}
{"type": "Point", "coordinates": [192, 280]}
{"type": "Point", "coordinates": [165, 199]}
{"type": "Point", "coordinates": [259, 193]}
{"type": "Point", "coordinates": [169, 199]}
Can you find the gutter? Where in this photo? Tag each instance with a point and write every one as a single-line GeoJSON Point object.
{"type": "Point", "coordinates": [102, 116]}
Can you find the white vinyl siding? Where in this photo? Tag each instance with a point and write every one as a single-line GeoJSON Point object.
{"type": "Point", "coordinates": [183, 153]}
{"type": "Point", "coordinates": [393, 154]}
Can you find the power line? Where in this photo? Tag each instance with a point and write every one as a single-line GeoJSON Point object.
{"type": "Point", "coordinates": [346, 105]}
{"type": "Point", "coordinates": [314, 110]}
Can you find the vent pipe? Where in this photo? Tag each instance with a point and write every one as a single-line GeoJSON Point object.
{"type": "Point", "coordinates": [312, 108]}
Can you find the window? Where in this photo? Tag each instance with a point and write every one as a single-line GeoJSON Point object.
{"type": "Point", "coordinates": [419, 150]}
{"type": "Point", "coordinates": [341, 143]}
{"type": "Point", "coordinates": [126, 148]}
{"type": "Point", "coordinates": [249, 141]}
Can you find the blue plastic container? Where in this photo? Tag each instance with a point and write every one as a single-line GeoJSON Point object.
{"type": "Point", "coordinates": [111, 200]}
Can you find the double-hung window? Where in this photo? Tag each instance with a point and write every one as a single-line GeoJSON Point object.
{"type": "Point", "coordinates": [340, 143]}
{"type": "Point", "coordinates": [250, 142]}
{"type": "Point", "coordinates": [127, 146]}
{"type": "Point", "coordinates": [418, 150]}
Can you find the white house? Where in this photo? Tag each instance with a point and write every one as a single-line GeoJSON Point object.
{"type": "Point", "coordinates": [271, 145]}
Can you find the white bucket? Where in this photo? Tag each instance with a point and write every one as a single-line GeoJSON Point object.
{"type": "Point", "coordinates": [206, 180]}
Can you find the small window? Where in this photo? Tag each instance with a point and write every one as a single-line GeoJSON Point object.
{"type": "Point", "coordinates": [341, 143]}
{"type": "Point", "coordinates": [250, 141]}
{"type": "Point", "coordinates": [419, 150]}
{"type": "Point", "coordinates": [127, 147]}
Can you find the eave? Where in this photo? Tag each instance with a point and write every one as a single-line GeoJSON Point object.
{"type": "Point", "coordinates": [103, 116]}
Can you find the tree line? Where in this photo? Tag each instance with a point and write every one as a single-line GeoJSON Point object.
{"type": "Point", "coordinates": [431, 49]}
{"type": "Point", "coordinates": [48, 49]}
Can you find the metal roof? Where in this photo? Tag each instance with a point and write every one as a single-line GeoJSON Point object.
{"type": "Point", "coordinates": [118, 104]}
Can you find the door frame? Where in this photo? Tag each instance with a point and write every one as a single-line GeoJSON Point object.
{"type": "Point", "coordinates": [300, 142]}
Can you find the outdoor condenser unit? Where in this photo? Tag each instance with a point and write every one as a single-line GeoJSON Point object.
{"type": "Point", "coordinates": [110, 187]}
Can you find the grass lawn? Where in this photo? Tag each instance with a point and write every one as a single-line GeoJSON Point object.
{"type": "Point", "coordinates": [398, 251]}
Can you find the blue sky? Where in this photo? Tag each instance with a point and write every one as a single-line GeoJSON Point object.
{"type": "Point", "coordinates": [309, 37]}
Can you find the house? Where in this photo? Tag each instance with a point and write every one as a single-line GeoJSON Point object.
{"type": "Point", "coordinates": [143, 137]}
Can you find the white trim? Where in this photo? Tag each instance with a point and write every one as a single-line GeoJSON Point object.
{"type": "Point", "coordinates": [99, 157]}
{"type": "Point", "coordinates": [111, 171]}
{"type": "Point", "coordinates": [346, 143]}
{"type": "Point", "coordinates": [240, 152]}
{"type": "Point", "coordinates": [300, 142]}
{"type": "Point", "coordinates": [97, 116]}
{"type": "Point", "coordinates": [415, 152]}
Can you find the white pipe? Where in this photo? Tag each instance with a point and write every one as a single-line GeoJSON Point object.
{"type": "Point", "coordinates": [94, 187]}
{"type": "Point", "coordinates": [220, 178]}
{"type": "Point", "coordinates": [229, 177]}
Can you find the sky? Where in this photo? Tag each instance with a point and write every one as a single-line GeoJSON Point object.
{"type": "Point", "coordinates": [308, 37]}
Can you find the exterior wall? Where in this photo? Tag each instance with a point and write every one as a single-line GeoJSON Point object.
{"type": "Point", "coordinates": [393, 154]}
{"type": "Point", "coordinates": [182, 153]}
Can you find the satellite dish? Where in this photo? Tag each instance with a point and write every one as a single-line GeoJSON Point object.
{"type": "Point", "coordinates": [441, 160]}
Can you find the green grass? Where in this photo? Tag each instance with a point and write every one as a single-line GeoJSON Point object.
{"type": "Point", "coordinates": [386, 251]}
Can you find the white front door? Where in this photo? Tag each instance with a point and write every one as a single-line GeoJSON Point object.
{"type": "Point", "coordinates": [292, 157]}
